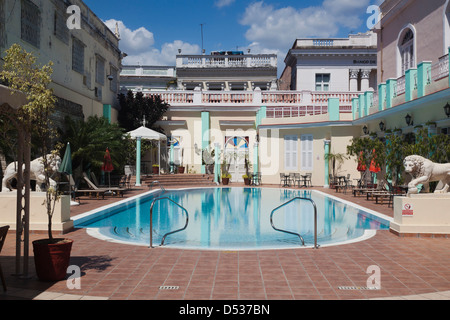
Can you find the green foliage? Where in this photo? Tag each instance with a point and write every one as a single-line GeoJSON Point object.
{"type": "Point", "coordinates": [365, 147]}
{"type": "Point", "coordinates": [135, 106]}
{"type": "Point", "coordinates": [89, 140]}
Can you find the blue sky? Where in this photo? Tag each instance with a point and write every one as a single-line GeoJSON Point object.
{"type": "Point", "coordinates": [153, 31]}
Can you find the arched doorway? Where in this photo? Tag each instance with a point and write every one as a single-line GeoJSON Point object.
{"type": "Point", "coordinates": [236, 150]}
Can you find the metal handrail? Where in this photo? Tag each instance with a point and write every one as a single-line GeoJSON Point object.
{"type": "Point", "coordinates": [159, 183]}
{"type": "Point", "coordinates": [316, 246]}
{"type": "Point", "coordinates": [151, 220]}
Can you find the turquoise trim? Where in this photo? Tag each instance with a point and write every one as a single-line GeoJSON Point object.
{"type": "Point", "coordinates": [138, 161]}
{"type": "Point", "coordinates": [205, 134]}
{"type": "Point", "coordinates": [354, 107]}
{"type": "Point", "coordinates": [333, 109]}
{"type": "Point", "coordinates": [422, 78]}
{"type": "Point", "coordinates": [410, 83]}
{"type": "Point", "coordinates": [381, 96]}
{"type": "Point", "coordinates": [107, 112]}
{"type": "Point", "coordinates": [390, 92]}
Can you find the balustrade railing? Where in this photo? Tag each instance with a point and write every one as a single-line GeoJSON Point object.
{"type": "Point", "coordinates": [440, 69]}
{"type": "Point", "coordinates": [400, 86]}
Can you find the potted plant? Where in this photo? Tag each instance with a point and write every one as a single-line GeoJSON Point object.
{"type": "Point", "coordinates": [51, 255]}
{"type": "Point", "coordinates": [246, 176]}
{"type": "Point", "coordinates": [181, 167]}
{"type": "Point", "coordinates": [155, 168]}
{"type": "Point", "coordinates": [225, 173]}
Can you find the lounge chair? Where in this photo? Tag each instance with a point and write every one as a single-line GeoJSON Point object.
{"type": "Point", "coordinates": [102, 191]}
{"type": "Point", "coordinates": [3, 232]}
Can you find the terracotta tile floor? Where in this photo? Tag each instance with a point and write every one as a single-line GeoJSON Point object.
{"type": "Point", "coordinates": [418, 268]}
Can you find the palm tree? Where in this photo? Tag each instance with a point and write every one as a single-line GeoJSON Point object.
{"type": "Point", "coordinates": [333, 158]}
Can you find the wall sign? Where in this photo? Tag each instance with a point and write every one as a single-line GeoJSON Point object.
{"type": "Point", "coordinates": [407, 210]}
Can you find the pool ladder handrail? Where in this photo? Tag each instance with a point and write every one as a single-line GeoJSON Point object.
{"type": "Point", "coordinates": [151, 220]}
{"type": "Point", "coordinates": [316, 246]}
{"type": "Point", "coordinates": [159, 183]}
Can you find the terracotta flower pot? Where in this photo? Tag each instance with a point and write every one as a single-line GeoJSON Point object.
{"type": "Point", "coordinates": [52, 259]}
{"type": "Point", "coordinates": [247, 181]}
{"type": "Point", "coordinates": [225, 181]}
{"type": "Point", "coordinates": [155, 170]}
{"type": "Point", "coordinates": [180, 169]}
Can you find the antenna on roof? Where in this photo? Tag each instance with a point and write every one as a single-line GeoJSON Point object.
{"type": "Point", "coordinates": [201, 30]}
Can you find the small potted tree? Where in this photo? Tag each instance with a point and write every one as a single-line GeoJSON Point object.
{"type": "Point", "coordinates": [51, 255]}
{"type": "Point", "coordinates": [226, 176]}
{"type": "Point", "coordinates": [247, 178]}
{"type": "Point", "coordinates": [155, 168]}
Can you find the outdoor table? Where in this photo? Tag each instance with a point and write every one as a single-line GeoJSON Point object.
{"type": "Point", "coordinates": [304, 177]}
{"type": "Point", "coordinates": [285, 180]}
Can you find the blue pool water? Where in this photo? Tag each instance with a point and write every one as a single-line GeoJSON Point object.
{"type": "Point", "coordinates": [233, 219]}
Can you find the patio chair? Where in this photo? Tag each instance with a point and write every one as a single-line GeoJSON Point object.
{"type": "Point", "coordinates": [3, 232]}
{"type": "Point", "coordinates": [297, 178]}
{"type": "Point", "coordinates": [308, 179]}
{"type": "Point", "coordinates": [283, 179]}
{"type": "Point", "coordinates": [291, 178]}
{"type": "Point", "coordinates": [256, 179]}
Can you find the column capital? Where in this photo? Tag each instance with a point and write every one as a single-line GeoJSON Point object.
{"type": "Point", "coordinates": [354, 73]}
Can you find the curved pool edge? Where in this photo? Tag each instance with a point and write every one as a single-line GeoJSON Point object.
{"type": "Point", "coordinates": [94, 232]}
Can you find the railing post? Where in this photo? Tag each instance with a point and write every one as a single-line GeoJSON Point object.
{"type": "Point", "coordinates": [410, 83]}
{"type": "Point", "coordinates": [422, 77]}
{"type": "Point", "coordinates": [333, 109]}
{"type": "Point", "coordinates": [390, 88]}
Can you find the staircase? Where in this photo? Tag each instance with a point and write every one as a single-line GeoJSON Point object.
{"type": "Point", "coordinates": [170, 181]}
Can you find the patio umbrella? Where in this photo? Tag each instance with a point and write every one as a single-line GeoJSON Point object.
{"type": "Point", "coordinates": [66, 164]}
{"type": "Point", "coordinates": [107, 165]}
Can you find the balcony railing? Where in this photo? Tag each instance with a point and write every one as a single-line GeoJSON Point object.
{"type": "Point", "coordinates": [400, 86]}
{"type": "Point", "coordinates": [226, 61]}
{"type": "Point", "coordinates": [280, 104]}
{"type": "Point", "coordinates": [439, 70]}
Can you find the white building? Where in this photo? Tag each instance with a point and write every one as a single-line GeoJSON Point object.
{"type": "Point", "coordinates": [339, 64]}
{"type": "Point", "coordinates": [147, 78]}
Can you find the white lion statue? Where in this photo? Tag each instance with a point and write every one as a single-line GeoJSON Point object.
{"type": "Point", "coordinates": [36, 172]}
{"type": "Point", "coordinates": [424, 171]}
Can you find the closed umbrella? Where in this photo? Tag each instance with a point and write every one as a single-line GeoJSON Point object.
{"type": "Point", "coordinates": [66, 164]}
{"type": "Point", "coordinates": [361, 163]}
{"type": "Point", "coordinates": [374, 167]}
{"type": "Point", "coordinates": [107, 166]}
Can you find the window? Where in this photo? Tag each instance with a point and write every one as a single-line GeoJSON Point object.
{"type": "Point", "coordinates": [77, 55]}
{"type": "Point", "coordinates": [100, 70]}
{"type": "Point", "coordinates": [60, 29]}
{"type": "Point", "coordinates": [322, 81]}
{"type": "Point", "coordinates": [306, 161]}
{"type": "Point", "coordinates": [30, 23]}
{"type": "Point", "coordinates": [406, 47]}
{"type": "Point", "coordinates": [290, 153]}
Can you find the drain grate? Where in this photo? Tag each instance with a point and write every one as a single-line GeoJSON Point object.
{"type": "Point", "coordinates": [169, 287]}
{"type": "Point", "coordinates": [357, 288]}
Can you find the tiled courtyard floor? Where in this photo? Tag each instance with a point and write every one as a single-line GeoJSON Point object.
{"type": "Point", "coordinates": [411, 268]}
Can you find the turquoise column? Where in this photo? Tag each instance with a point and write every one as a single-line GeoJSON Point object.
{"type": "Point", "coordinates": [354, 107]}
{"type": "Point", "coordinates": [326, 153]}
{"type": "Point", "coordinates": [410, 77]}
{"type": "Point", "coordinates": [216, 162]}
{"type": "Point", "coordinates": [333, 109]}
{"type": "Point", "coordinates": [107, 112]}
{"type": "Point", "coordinates": [362, 106]}
{"type": "Point", "coordinates": [256, 157]}
{"type": "Point", "coordinates": [368, 98]}
{"type": "Point", "coordinates": [381, 96]}
{"type": "Point", "coordinates": [422, 77]}
{"type": "Point", "coordinates": [390, 84]}
{"type": "Point", "coordinates": [205, 135]}
{"type": "Point", "coordinates": [138, 161]}
{"type": "Point", "coordinates": [171, 156]}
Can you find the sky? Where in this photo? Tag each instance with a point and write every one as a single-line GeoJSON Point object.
{"type": "Point", "coordinates": [152, 31]}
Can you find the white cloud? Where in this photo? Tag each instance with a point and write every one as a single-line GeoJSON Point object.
{"type": "Point", "coordinates": [223, 3]}
{"type": "Point", "coordinates": [275, 30]}
{"type": "Point", "coordinates": [278, 28]}
{"type": "Point", "coordinates": [138, 45]}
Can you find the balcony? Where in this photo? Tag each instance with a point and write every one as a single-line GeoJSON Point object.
{"type": "Point", "coordinates": [227, 61]}
{"type": "Point", "coordinates": [279, 104]}
{"type": "Point", "coordinates": [428, 78]}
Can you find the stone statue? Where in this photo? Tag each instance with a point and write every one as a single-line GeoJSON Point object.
{"type": "Point", "coordinates": [36, 172]}
{"type": "Point", "coordinates": [424, 171]}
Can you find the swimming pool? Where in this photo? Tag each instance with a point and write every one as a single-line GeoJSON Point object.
{"type": "Point", "coordinates": [233, 219]}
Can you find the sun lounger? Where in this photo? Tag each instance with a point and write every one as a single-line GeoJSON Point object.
{"type": "Point", "coordinates": [106, 191]}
